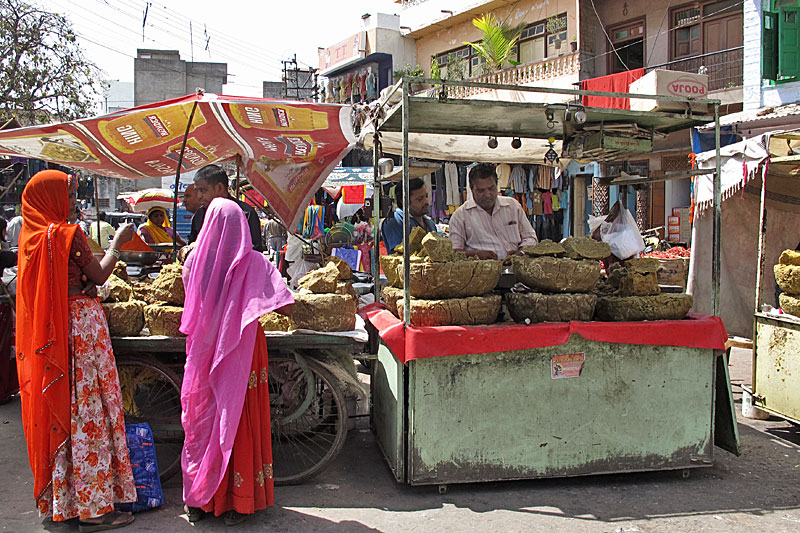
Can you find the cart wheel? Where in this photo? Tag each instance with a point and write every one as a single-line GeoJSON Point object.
{"type": "Point", "coordinates": [685, 473]}
{"type": "Point", "coordinates": [442, 489]}
{"type": "Point", "coordinates": [151, 392]}
{"type": "Point", "coordinates": [309, 418]}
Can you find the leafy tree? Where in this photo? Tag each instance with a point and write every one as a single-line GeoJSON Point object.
{"type": "Point", "coordinates": [499, 39]}
{"type": "Point", "coordinates": [43, 73]}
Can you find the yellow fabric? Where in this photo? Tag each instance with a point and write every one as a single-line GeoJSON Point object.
{"type": "Point", "coordinates": [157, 232]}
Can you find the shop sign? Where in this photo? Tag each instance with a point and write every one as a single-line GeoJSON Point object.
{"type": "Point", "coordinates": [352, 48]}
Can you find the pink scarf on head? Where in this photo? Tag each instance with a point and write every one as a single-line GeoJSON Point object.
{"type": "Point", "coordinates": [228, 286]}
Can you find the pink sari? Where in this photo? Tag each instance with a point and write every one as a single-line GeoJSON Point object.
{"type": "Point", "coordinates": [228, 286]}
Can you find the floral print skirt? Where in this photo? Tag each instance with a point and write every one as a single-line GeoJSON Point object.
{"type": "Point", "coordinates": [93, 471]}
{"type": "Point", "coordinates": [248, 486]}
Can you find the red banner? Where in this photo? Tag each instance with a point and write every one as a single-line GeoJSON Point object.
{"type": "Point", "coordinates": [287, 148]}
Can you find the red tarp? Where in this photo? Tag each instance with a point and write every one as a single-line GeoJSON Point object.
{"type": "Point", "coordinates": [613, 83]}
{"type": "Point", "coordinates": [696, 331]}
{"type": "Point", "coordinates": [287, 149]}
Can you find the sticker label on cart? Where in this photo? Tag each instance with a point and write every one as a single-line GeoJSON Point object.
{"type": "Point", "coordinates": [567, 365]}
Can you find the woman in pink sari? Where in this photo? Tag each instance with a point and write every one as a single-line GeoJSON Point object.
{"type": "Point", "coordinates": [227, 452]}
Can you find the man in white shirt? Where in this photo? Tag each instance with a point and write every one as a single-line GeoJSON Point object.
{"type": "Point", "coordinates": [489, 226]}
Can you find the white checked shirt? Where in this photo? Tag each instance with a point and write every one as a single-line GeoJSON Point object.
{"type": "Point", "coordinates": [506, 229]}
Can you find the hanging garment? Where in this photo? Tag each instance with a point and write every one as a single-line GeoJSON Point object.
{"type": "Point", "coordinates": [547, 203]}
{"type": "Point", "coordinates": [556, 203]}
{"type": "Point", "coordinates": [536, 202]}
{"type": "Point", "coordinates": [451, 183]}
{"type": "Point", "coordinates": [354, 194]}
{"type": "Point", "coordinates": [614, 83]}
{"type": "Point", "coordinates": [519, 179]}
{"type": "Point", "coordinates": [533, 176]}
{"type": "Point", "coordinates": [557, 182]}
{"type": "Point", "coordinates": [503, 171]}
{"type": "Point", "coordinates": [545, 177]}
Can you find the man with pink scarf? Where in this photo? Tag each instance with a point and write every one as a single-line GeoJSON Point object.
{"type": "Point", "coordinates": [227, 452]}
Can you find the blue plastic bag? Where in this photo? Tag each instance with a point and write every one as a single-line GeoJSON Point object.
{"type": "Point", "coordinates": [142, 453]}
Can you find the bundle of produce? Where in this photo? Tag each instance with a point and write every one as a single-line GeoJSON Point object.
{"type": "Point", "coordinates": [125, 319]}
{"type": "Point", "coordinates": [675, 252]}
{"type": "Point", "coordinates": [163, 319]}
{"type": "Point", "coordinates": [787, 275]}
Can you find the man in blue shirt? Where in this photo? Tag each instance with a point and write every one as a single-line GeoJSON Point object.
{"type": "Point", "coordinates": [418, 206]}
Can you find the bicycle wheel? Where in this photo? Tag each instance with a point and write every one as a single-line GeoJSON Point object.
{"type": "Point", "coordinates": [309, 418]}
{"type": "Point", "coordinates": [151, 392]}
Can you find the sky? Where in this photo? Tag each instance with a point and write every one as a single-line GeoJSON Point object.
{"type": "Point", "coordinates": [251, 37]}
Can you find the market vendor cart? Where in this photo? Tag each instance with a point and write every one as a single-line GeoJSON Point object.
{"type": "Point", "coordinates": [776, 338]}
{"type": "Point", "coordinates": [311, 397]}
{"type": "Point", "coordinates": [458, 404]}
{"type": "Point", "coordinates": [485, 403]}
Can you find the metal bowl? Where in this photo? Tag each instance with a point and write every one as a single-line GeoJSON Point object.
{"type": "Point", "coordinates": [138, 258]}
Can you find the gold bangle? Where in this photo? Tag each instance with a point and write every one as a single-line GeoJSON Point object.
{"type": "Point", "coordinates": [114, 252]}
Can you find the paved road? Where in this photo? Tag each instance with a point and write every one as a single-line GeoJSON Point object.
{"type": "Point", "coordinates": [759, 491]}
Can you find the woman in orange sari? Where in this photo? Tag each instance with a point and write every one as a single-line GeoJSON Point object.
{"type": "Point", "coordinates": [69, 388]}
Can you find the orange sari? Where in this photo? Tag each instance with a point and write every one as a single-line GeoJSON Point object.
{"type": "Point", "coordinates": [43, 321]}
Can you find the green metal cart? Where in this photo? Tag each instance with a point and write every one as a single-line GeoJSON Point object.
{"type": "Point", "coordinates": [502, 416]}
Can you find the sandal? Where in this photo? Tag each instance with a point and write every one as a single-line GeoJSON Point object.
{"type": "Point", "coordinates": [194, 514]}
{"type": "Point", "coordinates": [109, 521]}
{"type": "Point", "coordinates": [232, 518]}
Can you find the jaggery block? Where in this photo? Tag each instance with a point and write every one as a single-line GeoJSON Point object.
{"type": "Point", "coordinates": [273, 321]}
{"type": "Point", "coordinates": [551, 274]}
{"type": "Point", "coordinates": [788, 278]}
{"type": "Point", "coordinates": [550, 307]}
{"type": "Point", "coordinates": [789, 257]}
{"type": "Point", "coordinates": [473, 310]}
{"type": "Point", "coordinates": [345, 272]}
{"type": "Point", "coordinates": [118, 290]}
{"type": "Point", "coordinates": [168, 286]}
{"type": "Point", "coordinates": [163, 319]}
{"type": "Point", "coordinates": [586, 248]}
{"type": "Point", "coordinates": [633, 308]}
{"type": "Point", "coordinates": [322, 280]}
{"type": "Point", "coordinates": [438, 248]}
{"type": "Point", "coordinates": [324, 312]}
{"type": "Point", "coordinates": [125, 319]}
{"type": "Point", "coordinates": [545, 247]}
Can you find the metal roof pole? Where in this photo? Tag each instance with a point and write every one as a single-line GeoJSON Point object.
{"type": "Point", "coordinates": [376, 220]}
{"type": "Point", "coordinates": [716, 258]}
{"type": "Point", "coordinates": [406, 217]}
{"type": "Point", "coordinates": [762, 259]}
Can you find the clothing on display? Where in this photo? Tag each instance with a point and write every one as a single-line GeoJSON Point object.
{"type": "Point", "coordinates": [451, 184]}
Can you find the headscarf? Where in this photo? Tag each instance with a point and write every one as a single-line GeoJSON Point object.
{"type": "Point", "coordinates": [43, 320]}
{"type": "Point", "coordinates": [158, 233]}
{"type": "Point", "coordinates": [228, 286]}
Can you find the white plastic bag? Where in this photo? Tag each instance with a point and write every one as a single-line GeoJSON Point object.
{"type": "Point", "coordinates": [594, 222]}
{"type": "Point", "coordinates": [622, 235]}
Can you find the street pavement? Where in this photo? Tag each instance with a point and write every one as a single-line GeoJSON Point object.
{"type": "Point", "coordinates": [758, 491]}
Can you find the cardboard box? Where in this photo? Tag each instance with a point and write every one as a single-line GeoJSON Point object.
{"type": "Point", "coordinates": [669, 83]}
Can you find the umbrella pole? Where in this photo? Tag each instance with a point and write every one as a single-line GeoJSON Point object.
{"type": "Point", "coordinates": [97, 209]}
{"type": "Point", "coordinates": [178, 184]}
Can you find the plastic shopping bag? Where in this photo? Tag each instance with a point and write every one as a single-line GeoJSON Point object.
{"type": "Point", "coordinates": [622, 235]}
{"type": "Point", "coordinates": [142, 453]}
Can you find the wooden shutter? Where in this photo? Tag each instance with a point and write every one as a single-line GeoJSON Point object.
{"type": "Point", "coordinates": [789, 42]}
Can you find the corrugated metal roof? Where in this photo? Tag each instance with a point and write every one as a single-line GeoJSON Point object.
{"type": "Point", "coordinates": [755, 115]}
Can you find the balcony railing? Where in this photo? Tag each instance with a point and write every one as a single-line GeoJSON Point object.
{"type": "Point", "coordinates": [724, 68]}
{"type": "Point", "coordinates": [524, 74]}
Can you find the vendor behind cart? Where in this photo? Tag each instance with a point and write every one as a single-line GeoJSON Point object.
{"type": "Point", "coordinates": [490, 226]}
{"type": "Point", "coordinates": [157, 229]}
{"type": "Point", "coordinates": [418, 207]}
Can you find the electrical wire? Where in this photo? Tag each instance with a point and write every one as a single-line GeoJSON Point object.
{"type": "Point", "coordinates": [603, 27]}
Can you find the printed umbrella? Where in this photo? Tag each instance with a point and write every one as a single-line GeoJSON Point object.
{"type": "Point", "coordinates": [285, 149]}
{"type": "Point", "coordinates": [142, 201]}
